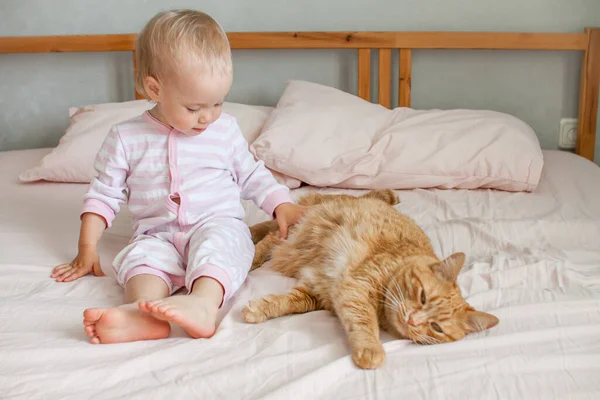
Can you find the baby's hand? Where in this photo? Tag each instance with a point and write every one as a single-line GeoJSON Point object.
{"type": "Point", "coordinates": [288, 214]}
{"type": "Point", "coordinates": [86, 261]}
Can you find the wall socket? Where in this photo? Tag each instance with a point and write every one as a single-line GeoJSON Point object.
{"type": "Point", "coordinates": [567, 138]}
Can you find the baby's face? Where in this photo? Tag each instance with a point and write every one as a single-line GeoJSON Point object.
{"type": "Point", "coordinates": [192, 101]}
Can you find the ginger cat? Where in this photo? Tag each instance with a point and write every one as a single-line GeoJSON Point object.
{"type": "Point", "coordinates": [373, 267]}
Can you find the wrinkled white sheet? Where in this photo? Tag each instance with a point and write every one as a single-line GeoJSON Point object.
{"type": "Point", "coordinates": [533, 260]}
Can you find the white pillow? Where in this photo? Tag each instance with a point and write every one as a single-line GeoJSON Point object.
{"type": "Point", "coordinates": [73, 159]}
{"type": "Point", "coordinates": [326, 137]}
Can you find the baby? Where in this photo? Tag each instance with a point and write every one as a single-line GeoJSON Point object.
{"type": "Point", "coordinates": [183, 168]}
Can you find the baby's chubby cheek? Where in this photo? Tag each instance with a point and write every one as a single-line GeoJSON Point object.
{"type": "Point", "coordinates": [183, 124]}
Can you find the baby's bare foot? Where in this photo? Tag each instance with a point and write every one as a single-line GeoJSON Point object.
{"type": "Point", "coordinates": [195, 314]}
{"type": "Point", "coordinates": [122, 324]}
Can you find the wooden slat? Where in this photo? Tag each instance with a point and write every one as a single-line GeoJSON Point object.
{"type": "Point", "coordinates": [409, 40]}
{"type": "Point", "coordinates": [385, 77]}
{"type": "Point", "coordinates": [405, 77]}
{"type": "Point", "coordinates": [588, 101]}
{"type": "Point", "coordinates": [316, 40]}
{"type": "Point", "coordinates": [364, 74]}
{"type": "Point", "coordinates": [491, 40]}
{"type": "Point", "coordinates": [311, 40]}
{"type": "Point", "coordinates": [60, 44]}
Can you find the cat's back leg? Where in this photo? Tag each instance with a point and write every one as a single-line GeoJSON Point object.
{"type": "Point", "coordinates": [260, 230]}
{"type": "Point", "coordinates": [299, 300]}
{"type": "Point", "coordinates": [262, 250]}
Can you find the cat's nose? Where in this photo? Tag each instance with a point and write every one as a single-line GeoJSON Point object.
{"type": "Point", "coordinates": [414, 320]}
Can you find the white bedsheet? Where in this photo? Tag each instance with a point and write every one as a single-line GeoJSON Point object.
{"type": "Point", "coordinates": [533, 260]}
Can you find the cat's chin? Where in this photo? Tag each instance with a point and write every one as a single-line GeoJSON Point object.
{"type": "Point", "coordinates": [399, 331]}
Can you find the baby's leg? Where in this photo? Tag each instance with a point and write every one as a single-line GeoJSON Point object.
{"type": "Point", "coordinates": [196, 313]}
{"type": "Point", "coordinates": [126, 323]}
{"type": "Point", "coordinates": [143, 282]}
{"type": "Point", "coordinates": [219, 257]}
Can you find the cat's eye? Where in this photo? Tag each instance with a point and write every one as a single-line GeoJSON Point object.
{"type": "Point", "coordinates": [423, 297]}
{"type": "Point", "coordinates": [436, 327]}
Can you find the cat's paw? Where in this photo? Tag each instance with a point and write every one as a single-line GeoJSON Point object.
{"type": "Point", "coordinates": [253, 312]}
{"type": "Point", "coordinates": [371, 356]}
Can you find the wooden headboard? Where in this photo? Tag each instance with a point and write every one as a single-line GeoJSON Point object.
{"type": "Point", "coordinates": [587, 42]}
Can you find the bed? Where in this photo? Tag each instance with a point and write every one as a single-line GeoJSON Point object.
{"type": "Point", "coordinates": [533, 260]}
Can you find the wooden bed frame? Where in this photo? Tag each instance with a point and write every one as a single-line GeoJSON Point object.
{"type": "Point", "coordinates": [587, 42]}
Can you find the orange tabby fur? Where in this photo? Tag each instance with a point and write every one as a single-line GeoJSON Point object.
{"type": "Point", "coordinates": [373, 267]}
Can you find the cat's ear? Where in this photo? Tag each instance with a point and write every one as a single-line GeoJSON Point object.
{"type": "Point", "coordinates": [478, 321]}
{"type": "Point", "coordinates": [450, 267]}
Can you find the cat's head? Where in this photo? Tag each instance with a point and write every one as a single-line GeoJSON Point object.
{"type": "Point", "coordinates": [424, 304]}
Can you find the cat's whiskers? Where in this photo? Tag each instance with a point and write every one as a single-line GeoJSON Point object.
{"type": "Point", "coordinates": [421, 339]}
{"type": "Point", "coordinates": [390, 305]}
{"type": "Point", "coordinates": [391, 300]}
{"type": "Point", "coordinates": [401, 296]}
{"type": "Point", "coordinates": [435, 340]}
{"type": "Point", "coordinates": [424, 339]}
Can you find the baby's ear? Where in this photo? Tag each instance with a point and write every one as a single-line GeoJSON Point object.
{"type": "Point", "coordinates": [480, 321]}
{"type": "Point", "coordinates": [450, 267]}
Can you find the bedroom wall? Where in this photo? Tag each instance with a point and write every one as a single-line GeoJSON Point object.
{"type": "Point", "coordinates": [539, 87]}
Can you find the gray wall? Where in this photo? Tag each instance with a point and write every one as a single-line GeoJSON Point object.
{"type": "Point", "coordinates": [539, 87]}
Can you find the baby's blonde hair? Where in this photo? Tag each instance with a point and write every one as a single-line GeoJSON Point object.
{"type": "Point", "coordinates": [174, 39]}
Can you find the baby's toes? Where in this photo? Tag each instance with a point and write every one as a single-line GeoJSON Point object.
{"type": "Point", "coordinates": [149, 306]}
{"type": "Point", "coordinates": [144, 306]}
{"type": "Point", "coordinates": [90, 331]}
{"type": "Point", "coordinates": [161, 307]}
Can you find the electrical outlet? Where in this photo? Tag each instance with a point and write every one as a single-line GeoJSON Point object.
{"type": "Point", "coordinates": [567, 138]}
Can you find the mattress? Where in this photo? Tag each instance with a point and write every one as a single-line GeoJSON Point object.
{"type": "Point", "coordinates": [533, 260]}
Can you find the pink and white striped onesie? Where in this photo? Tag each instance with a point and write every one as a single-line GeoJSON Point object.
{"type": "Point", "coordinates": [184, 193]}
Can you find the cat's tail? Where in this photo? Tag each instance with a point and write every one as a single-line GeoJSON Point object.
{"type": "Point", "coordinates": [386, 195]}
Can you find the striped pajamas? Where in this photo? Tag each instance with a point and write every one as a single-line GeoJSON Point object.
{"type": "Point", "coordinates": [184, 193]}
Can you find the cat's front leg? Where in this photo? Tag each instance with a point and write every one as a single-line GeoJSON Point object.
{"type": "Point", "coordinates": [359, 319]}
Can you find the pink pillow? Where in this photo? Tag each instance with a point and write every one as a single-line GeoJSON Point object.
{"type": "Point", "coordinates": [326, 137]}
{"type": "Point", "coordinates": [73, 159]}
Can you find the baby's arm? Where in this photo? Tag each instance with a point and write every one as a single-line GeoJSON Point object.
{"type": "Point", "coordinates": [101, 204]}
{"type": "Point", "coordinates": [259, 185]}
{"type": "Point", "coordinates": [87, 259]}
{"type": "Point", "coordinates": [254, 179]}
